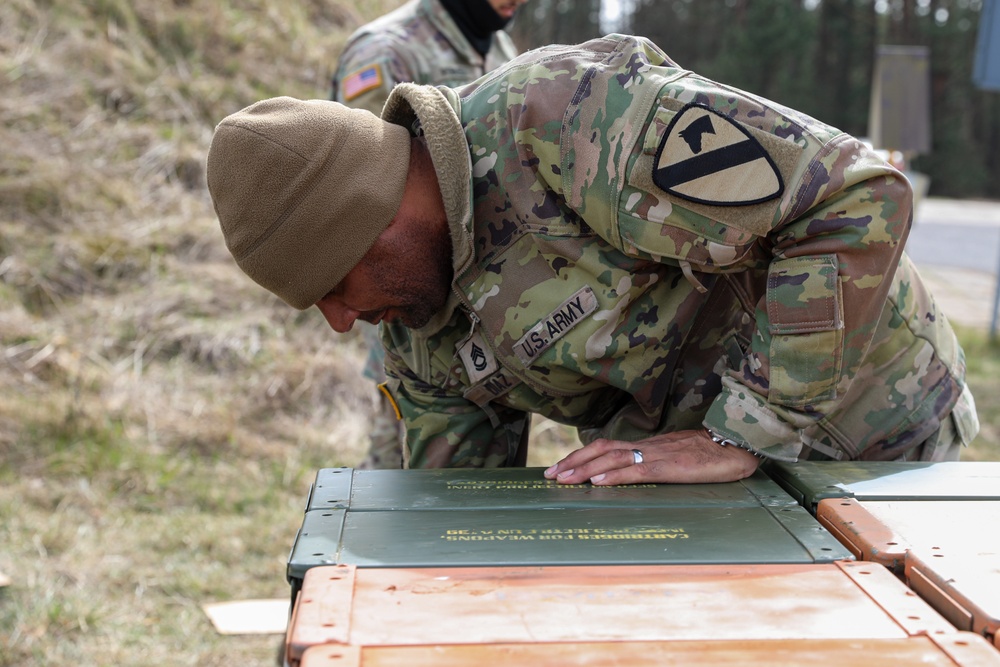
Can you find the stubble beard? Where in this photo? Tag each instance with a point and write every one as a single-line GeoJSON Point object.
{"type": "Point", "coordinates": [417, 272]}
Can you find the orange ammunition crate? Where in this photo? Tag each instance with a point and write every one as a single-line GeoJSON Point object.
{"type": "Point", "coordinates": [965, 649]}
{"type": "Point", "coordinates": [883, 531]}
{"type": "Point", "coordinates": [369, 607]}
{"type": "Point", "coordinates": [964, 587]}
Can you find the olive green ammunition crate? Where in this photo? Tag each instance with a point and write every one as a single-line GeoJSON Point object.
{"type": "Point", "coordinates": [809, 482]}
{"type": "Point", "coordinates": [515, 517]}
{"type": "Point", "coordinates": [517, 489]}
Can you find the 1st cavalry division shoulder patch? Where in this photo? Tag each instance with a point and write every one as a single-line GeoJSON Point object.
{"type": "Point", "coordinates": [707, 158]}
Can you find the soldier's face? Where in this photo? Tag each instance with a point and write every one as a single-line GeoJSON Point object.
{"type": "Point", "coordinates": [506, 8]}
{"type": "Point", "coordinates": [405, 278]}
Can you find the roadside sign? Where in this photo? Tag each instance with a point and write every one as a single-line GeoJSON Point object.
{"type": "Point", "coordinates": [986, 70]}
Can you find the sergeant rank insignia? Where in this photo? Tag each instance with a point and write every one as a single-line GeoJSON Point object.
{"type": "Point", "coordinates": [705, 157]}
{"type": "Point", "coordinates": [477, 358]}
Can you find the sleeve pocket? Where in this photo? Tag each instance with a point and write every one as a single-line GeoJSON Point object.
{"type": "Point", "coordinates": [805, 323]}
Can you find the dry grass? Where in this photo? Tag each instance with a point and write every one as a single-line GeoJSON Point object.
{"type": "Point", "coordinates": [161, 417]}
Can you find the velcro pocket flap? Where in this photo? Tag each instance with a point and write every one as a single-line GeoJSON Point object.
{"type": "Point", "coordinates": [805, 323]}
{"type": "Point", "coordinates": [802, 295]}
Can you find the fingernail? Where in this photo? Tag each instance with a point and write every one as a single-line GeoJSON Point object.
{"type": "Point", "coordinates": [549, 472]}
{"type": "Point", "coordinates": [597, 479]}
{"type": "Point", "coordinates": [564, 474]}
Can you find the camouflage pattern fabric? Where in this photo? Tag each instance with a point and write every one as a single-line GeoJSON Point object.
{"type": "Point", "coordinates": [651, 251]}
{"type": "Point", "coordinates": [417, 42]}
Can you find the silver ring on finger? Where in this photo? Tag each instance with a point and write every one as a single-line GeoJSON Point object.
{"type": "Point", "coordinates": [636, 457]}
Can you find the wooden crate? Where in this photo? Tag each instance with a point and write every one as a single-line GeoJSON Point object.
{"type": "Point", "coordinates": [884, 531]}
{"type": "Point", "coordinates": [367, 607]}
{"type": "Point", "coordinates": [960, 649]}
{"type": "Point", "coordinates": [964, 587]}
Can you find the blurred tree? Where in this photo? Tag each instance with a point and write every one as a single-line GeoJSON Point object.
{"type": "Point", "coordinates": [843, 53]}
{"type": "Point", "coordinates": [965, 121]}
{"type": "Point", "coordinates": [769, 30]}
{"type": "Point", "coordinates": [692, 31]}
{"type": "Point", "coordinates": [542, 22]}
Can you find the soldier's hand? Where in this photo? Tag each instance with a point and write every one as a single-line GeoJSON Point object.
{"type": "Point", "coordinates": [684, 457]}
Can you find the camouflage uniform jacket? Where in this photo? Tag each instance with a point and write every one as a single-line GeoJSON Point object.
{"type": "Point", "coordinates": [418, 42]}
{"type": "Point", "coordinates": [640, 250]}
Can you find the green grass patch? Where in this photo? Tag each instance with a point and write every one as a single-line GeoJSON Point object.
{"type": "Point", "coordinates": [982, 358]}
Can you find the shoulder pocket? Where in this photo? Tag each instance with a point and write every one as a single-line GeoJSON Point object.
{"type": "Point", "coordinates": [806, 327]}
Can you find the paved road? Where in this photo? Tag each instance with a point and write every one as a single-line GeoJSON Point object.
{"type": "Point", "coordinates": [956, 246]}
{"type": "Point", "coordinates": [963, 235]}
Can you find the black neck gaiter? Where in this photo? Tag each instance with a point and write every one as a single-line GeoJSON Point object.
{"type": "Point", "coordinates": [477, 21]}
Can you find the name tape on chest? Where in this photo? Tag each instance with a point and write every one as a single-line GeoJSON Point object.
{"type": "Point", "coordinates": [493, 387]}
{"type": "Point", "coordinates": [706, 157]}
{"type": "Point", "coordinates": [555, 325]}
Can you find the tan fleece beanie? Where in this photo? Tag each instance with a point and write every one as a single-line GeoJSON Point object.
{"type": "Point", "coordinates": [302, 190]}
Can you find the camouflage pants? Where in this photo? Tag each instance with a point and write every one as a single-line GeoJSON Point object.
{"type": "Point", "coordinates": [385, 449]}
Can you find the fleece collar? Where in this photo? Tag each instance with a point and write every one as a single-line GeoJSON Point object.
{"type": "Point", "coordinates": [412, 105]}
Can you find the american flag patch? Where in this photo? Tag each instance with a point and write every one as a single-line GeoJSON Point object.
{"type": "Point", "coordinates": [362, 81]}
